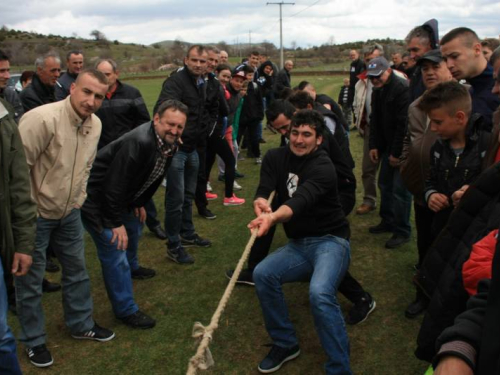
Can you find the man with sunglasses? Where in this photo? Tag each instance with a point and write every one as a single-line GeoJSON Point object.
{"type": "Point", "coordinates": [390, 103]}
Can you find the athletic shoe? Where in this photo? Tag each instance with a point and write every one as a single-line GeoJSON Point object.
{"type": "Point", "coordinates": [258, 161]}
{"type": "Point", "coordinates": [195, 241]}
{"type": "Point", "coordinates": [233, 201]}
{"type": "Point", "coordinates": [97, 333]}
{"type": "Point", "coordinates": [142, 273]}
{"type": "Point", "coordinates": [207, 214]}
{"type": "Point", "coordinates": [361, 309]}
{"type": "Point", "coordinates": [210, 196]}
{"type": "Point", "coordinates": [380, 228]}
{"type": "Point", "coordinates": [179, 255]}
{"type": "Point", "coordinates": [396, 241]}
{"type": "Point", "coordinates": [246, 276]}
{"type": "Point", "coordinates": [277, 357]}
{"type": "Point", "coordinates": [40, 356]}
{"type": "Point", "coordinates": [236, 186]}
{"type": "Point", "coordinates": [221, 177]}
{"type": "Point", "coordinates": [158, 232]}
{"type": "Point", "coordinates": [48, 287]}
{"type": "Point", "coordinates": [139, 320]}
{"type": "Point", "coordinates": [238, 174]}
{"type": "Point", "coordinates": [209, 187]}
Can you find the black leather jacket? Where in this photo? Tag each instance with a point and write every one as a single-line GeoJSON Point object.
{"type": "Point", "coordinates": [119, 172]}
{"type": "Point", "coordinates": [36, 94]}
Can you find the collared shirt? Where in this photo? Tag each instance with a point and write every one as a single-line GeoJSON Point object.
{"type": "Point", "coordinates": [165, 151]}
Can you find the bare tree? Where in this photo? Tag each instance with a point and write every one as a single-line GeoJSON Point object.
{"type": "Point", "coordinates": [98, 35]}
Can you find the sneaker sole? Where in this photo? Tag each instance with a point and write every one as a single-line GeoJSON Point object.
{"type": "Point", "coordinates": [233, 204]}
{"type": "Point", "coordinates": [209, 217]}
{"type": "Point", "coordinates": [189, 245]}
{"type": "Point", "coordinates": [211, 199]}
{"type": "Point", "coordinates": [367, 314]}
{"type": "Point", "coordinates": [42, 365]}
{"type": "Point", "coordinates": [142, 277]}
{"type": "Point", "coordinates": [276, 368]}
{"type": "Point", "coordinates": [93, 338]}
{"type": "Point", "coordinates": [173, 259]}
{"type": "Point", "coordinates": [251, 283]}
{"type": "Point", "coordinates": [139, 327]}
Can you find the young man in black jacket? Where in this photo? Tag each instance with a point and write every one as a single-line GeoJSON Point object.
{"type": "Point", "coordinates": [124, 177]}
{"type": "Point", "coordinates": [390, 101]}
{"type": "Point", "coordinates": [188, 86]}
{"type": "Point", "coordinates": [304, 179]}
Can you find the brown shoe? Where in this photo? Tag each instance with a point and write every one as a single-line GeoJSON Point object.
{"type": "Point", "coordinates": [364, 209]}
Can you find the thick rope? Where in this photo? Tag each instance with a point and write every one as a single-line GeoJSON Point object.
{"type": "Point", "coordinates": [203, 359]}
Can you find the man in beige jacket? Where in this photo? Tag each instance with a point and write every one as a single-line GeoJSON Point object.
{"type": "Point", "coordinates": [60, 141]}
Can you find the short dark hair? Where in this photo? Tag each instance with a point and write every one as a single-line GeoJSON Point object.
{"type": "Point", "coordinates": [279, 107]}
{"type": "Point", "coordinates": [196, 47]}
{"type": "Point", "coordinates": [172, 104]}
{"type": "Point", "coordinates": [222, 67]}
{"type": "Point", "coordinates": [495, 56]}
{"type": "Point", "coordinates": [4, 56]}
{"type": "Point", "coordinates": [309, 117]}
{"type": "Point", "coordinates": [73, 52]}
{"type": "Point", "coordinates": [451, 95]}
{"type": "Point", "coordinates": [285, 93]}
{"type": "Point", "coordinates": [26, 75]}
{"type": "Point", "coordinates": [254, 53]}
{"type": "Point", "coordinates": [301, 100]}
{"type": "Point", "coordinates": [94, 73]}
{"type": "Point", "coordinates": [491, 43]}
{"type": "Point", "coordinates": [469, 36]}
{"type": "Point", "coordinates": [302, 85]}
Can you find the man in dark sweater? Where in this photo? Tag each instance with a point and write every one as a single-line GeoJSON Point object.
{"type": "Point", "coordinates": [304, 179]}
{"type": "Point", "coordinates": [74, 65]}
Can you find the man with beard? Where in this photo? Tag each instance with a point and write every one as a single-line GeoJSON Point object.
{"type": "Point", "coordinates": [126, 174]}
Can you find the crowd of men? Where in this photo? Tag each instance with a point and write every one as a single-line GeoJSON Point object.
{"type": "Point", "coordinates": [80, 151]}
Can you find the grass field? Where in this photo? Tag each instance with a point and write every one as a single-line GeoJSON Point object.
{"type": "Point", "coordinates": [180, 295]}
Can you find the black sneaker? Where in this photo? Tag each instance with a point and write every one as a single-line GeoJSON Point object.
{"type": "Point", "coordinates": [207, 214]}
{"type": "Point", "coordinates": [276, 357]}
{"type": "Point", "coordinates": [238, 174]}
{"type": "Point", "coordinates": [361, 309]}
{"type": "Point", "coordinates": [97, 333]}
{"type": "Point", "coordinates": [48, 287]}
{"type": "Point", "coordinates": [139, 320]}
{"type": "Point", "coordinates": [396, 241]}
{"type": "Point", "coordinates": [380, 228]}
{"type": "Point", "coordinates": [50, 266]}
{"type": "Point", "coordinates": [246, 276]}
{"type": "Point", "coordinates": [39, 356]}
{"type": "Point", "coordinates": [143, 273]}
{"type": "Point", "coordinates": [195, 241]}
{"type": "Point", "coordinates": [179, 255]}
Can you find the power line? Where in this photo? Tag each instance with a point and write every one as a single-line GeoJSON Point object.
{"type": "Point", "coordinates": [293, 15]}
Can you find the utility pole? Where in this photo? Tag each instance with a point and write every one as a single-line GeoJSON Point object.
{"type": "Point", "coordinates": [249, 40]}
{"type": "Point", "coordinates": [281, 30]}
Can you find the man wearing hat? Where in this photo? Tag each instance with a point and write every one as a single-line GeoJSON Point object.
{"type": "Point", "coordinates": [390, 102]}
{"type": "Point", "coordinates": [415, 161]}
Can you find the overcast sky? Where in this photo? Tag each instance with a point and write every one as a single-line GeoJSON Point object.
{"type": "Point", "coordinates": [307, 23]}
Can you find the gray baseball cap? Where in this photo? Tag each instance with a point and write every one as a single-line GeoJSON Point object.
{"type": "Point", "coordinates": [377, 66]}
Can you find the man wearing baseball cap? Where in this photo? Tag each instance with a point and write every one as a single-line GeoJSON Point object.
{"type": "Point", "coordinates": [390, 102]}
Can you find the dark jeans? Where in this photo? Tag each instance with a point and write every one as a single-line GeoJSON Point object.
{"type": "Point", "coordinates": [253, 134]}
{"type": "Point", "coordinates": [395, 199]}
{"type": "Point", "coordinates": [200, 198]}
{"type": "Point", "coordinates": [151, 215]}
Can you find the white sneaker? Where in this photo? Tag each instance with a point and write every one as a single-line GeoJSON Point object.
{"type": "Point", "coordinates": [209, 187]}
{"type": "Point", "coordinates": [236, 186]}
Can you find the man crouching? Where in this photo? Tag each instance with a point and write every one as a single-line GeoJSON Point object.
{"type": "Point", "coordinates": [305, 182]}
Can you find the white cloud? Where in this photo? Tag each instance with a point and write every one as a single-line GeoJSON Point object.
{"type": "Point", "coordinates": [150, 21]}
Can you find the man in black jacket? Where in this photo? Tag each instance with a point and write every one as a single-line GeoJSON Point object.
{"type": "Point", "coordinates": [283, 79]}
{"type": "Point", "coordinates": [122, 110]}
{"type": "Point", "coordinates": [124, 177]}
{"type": "Point", "coordinates": [41, 89]}
{"type": "Point", "coordinates": [74, 65]}
{"type": "Point", "coordinates": [388, 119]}
{"type": "Point", "coordinates": [189, 87]}
{"type": "Point", "coordinates": [307, 204]}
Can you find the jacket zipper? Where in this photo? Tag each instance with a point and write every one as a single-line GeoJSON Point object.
{"type": "Point", "coordinates": [72, 176]}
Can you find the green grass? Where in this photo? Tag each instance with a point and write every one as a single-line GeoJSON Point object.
{"type": "Point", "coordinates": [180, 295]}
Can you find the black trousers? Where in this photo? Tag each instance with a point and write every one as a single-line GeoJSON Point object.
{"type": "Point", "coordinates": [253, 134]}
{"type": "Point", "coordinates": [201, 185]}
{"type": "Point", "coordinates": [424, 218]}
{"type": "Point", "coordinates": [219, 146]}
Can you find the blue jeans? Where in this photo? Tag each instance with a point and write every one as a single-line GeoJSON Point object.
{"type": "Point", "coordinates": [66, 239]}
{"type": "Point", "coordinates": [323, 260]}
{"type": "Point", "coordinates": [8, 357]}
{"type": "Point", "coordinates": [117, 264]}
{"type": "Point", "coordinates": [395, 199]}
{"type": "Point", "coordinates": [182, 176]}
